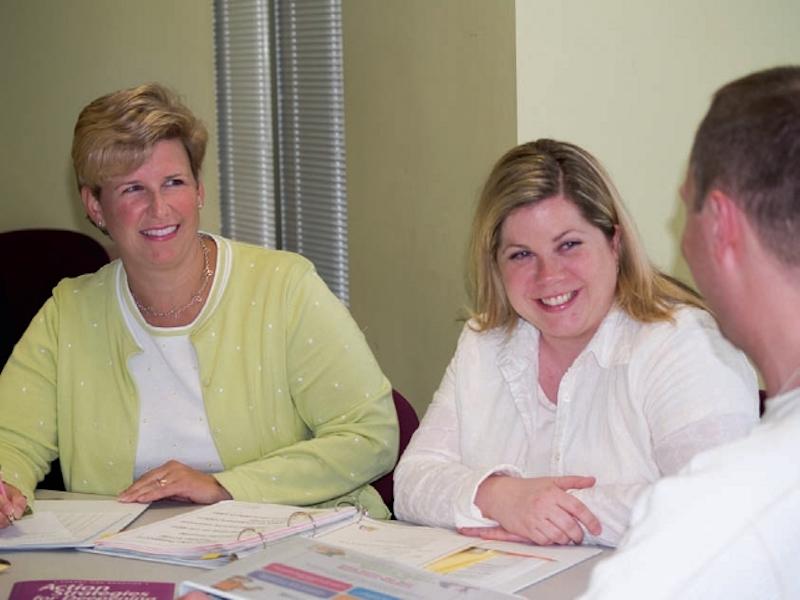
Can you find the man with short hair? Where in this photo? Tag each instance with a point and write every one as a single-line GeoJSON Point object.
{"type": "Point", "coordinates": [728, 526]}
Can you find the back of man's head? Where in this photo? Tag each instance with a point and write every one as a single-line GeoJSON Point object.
{"type": "Point", "coordinates": [748, 146]}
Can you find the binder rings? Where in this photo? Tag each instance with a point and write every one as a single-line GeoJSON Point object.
{"type": "Point", "coordinates": [218, 533]}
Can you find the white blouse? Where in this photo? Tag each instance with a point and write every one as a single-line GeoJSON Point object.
{"type": "Point", "coordinates": [637, 404]}
{"type": "Point", "coordinates": [725, 527]}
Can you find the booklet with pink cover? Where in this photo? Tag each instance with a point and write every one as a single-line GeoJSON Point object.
{"type": "Point", "coordinates": [88, 589]}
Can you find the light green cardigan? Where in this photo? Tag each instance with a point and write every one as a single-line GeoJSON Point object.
{"type": "Point", "coordinates": [299, 410]}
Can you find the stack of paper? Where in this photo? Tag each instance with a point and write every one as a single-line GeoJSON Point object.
{"type": "Point", "coordinates": [68, 524]}
{"type": "Point", "coordinates": [505, 566]}
{"type": "Point", "coordinates": [213, 535]}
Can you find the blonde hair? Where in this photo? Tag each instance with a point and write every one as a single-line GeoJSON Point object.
{"type": "Point", "coordinates": [536, 171]}
{"type": "Point", "coordinates": [115, 133]}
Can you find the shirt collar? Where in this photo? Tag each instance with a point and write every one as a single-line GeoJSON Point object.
{"type": "Point", "coordinates": [610, 345]}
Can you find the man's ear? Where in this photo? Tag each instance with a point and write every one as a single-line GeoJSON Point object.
{"type": "Point", "coordinates": [725, 223]}
{"type": "Point", "coordinates": [91, 204]}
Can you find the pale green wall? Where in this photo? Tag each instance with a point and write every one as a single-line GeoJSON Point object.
{"type": "Point", "coordinates": [429, 105]}
{"type": "Point", "coordinates": [630, 81]}
{"type": "Point", "coordinates": [56, 56]}
{"type": "Point", "coordinates": [435, 91]}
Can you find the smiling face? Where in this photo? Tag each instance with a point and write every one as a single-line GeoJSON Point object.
{"type": "Point", "coordinates": [559, 271]}
{"type": "Point", "coordinates": [152, 213]}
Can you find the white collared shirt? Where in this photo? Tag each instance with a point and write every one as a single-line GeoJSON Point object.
{"type": "Point", "coordinates": [726, 526]}
{"type": "Point", "coordinates": [637, 404]}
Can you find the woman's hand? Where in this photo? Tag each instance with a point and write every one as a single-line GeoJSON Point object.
{"type": "Point", "coordinates": [175, 481]}
{"type": "Point", "coordinates": [537, 509]}
{"type": "Point", "coordinates": [493, 533]}
{"type": "Point", "coordinates": [12, 505]}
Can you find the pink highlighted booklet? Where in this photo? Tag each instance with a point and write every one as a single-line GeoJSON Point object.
{"type": "Point", "coordinates": [87, 589]}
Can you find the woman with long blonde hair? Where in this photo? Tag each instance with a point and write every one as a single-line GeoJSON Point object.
{"type": "Point", "coordinates": [583, 375]}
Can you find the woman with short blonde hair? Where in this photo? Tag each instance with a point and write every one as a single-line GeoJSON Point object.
{"type": "Point", "coordinates": [116, 132]}
{"type": "Point", "coordinates": [193, 367]}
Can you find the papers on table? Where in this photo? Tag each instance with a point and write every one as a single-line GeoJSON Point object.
{"type": "Point", "coordinates": [215, 534]}
{"type": "Point", "coordinates": [68, 524]}
{"type": "Point", "coordinates": [505, 566]}
{"type": "Point", "coordinates": [212, 536]}
{"type": "Point", "coordinates": [302, 568]}
{"type": "Point", "coordinates": [408, 544]}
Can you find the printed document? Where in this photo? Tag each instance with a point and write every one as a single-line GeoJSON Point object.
{"type": "Point", "coordinates": [217, 533]}
{"type": "Point", "coordinates": [68, 524]}
{"type": "Point", "coordinates": [305, 569]}
{"type": "Point", "coordinates": [505, 566]}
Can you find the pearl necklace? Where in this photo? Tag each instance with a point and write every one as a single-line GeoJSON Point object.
{"type": "Point", "coordinates": [196, 298]}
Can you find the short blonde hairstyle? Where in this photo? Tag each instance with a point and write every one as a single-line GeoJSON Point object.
{"type": "Point", "coordinates": [537, 171]}
{"type": "Point", "coordinates": [115, 133]}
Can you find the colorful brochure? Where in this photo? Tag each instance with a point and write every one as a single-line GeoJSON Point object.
{"type": "Point", "coordinates": [303, 568]}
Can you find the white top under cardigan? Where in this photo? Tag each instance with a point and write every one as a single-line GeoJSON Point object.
{"type": "Point", "coordinates": [727, 526]}
{"type": "Point", "coordinates": [173, 424]}
{"type": "Point", "coordinates": [637, 404]}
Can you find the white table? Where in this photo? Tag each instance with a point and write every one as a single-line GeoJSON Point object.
{"type": "Point", "coordinates": [71, 564]}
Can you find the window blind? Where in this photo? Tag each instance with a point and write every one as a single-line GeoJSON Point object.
{"type": "Point", "coordinates": [280, 102]}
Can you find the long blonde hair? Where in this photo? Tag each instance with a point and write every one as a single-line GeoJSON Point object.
{"type": "Point", "coordinates": [536, 171]}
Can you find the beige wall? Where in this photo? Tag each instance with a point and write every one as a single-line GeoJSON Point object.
{"type": "Point", "coordinates": [429, 105]}
{"type": "Point", "coordinates": [57, 56]}
{"type": "Point", "coordinates": [435, 91]}
{"type": "Point", "coordinates": [630, 81]}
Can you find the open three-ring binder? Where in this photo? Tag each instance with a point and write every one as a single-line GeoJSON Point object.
{"type": "Point", "coordinates": [336, 538]}
{"type": "Point", "coordinates": [216, 534]}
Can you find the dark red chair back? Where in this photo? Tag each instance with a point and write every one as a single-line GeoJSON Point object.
{"type": "Point", "coordinates": [34, 261]}
{"type": "Point", "coordinates": [408, 422]}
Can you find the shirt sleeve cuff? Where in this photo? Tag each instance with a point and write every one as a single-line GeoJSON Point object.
{"type": "Point", "coordinates": [467, 513]}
